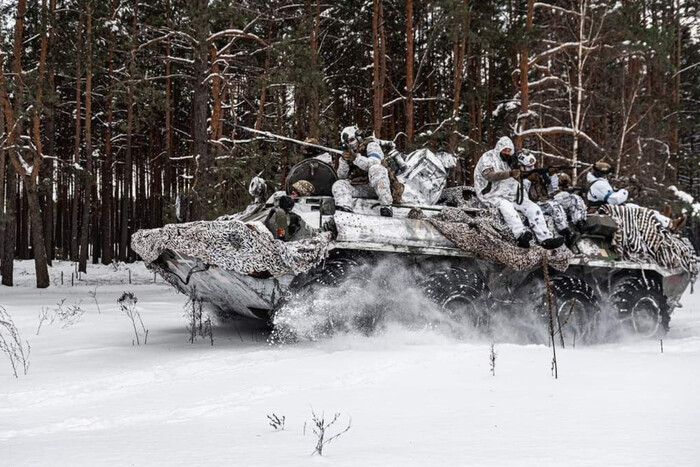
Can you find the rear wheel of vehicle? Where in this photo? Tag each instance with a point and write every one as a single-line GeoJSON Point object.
{"type": "Point", "coordinates": [462, 295]}
{"type": "Point", "coordinates": [642, 307]}
{"type": "Point", "coordinates": [575, 310]}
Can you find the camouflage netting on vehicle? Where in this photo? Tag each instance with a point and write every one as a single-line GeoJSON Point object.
{"type": "Point", "coordinates": [640, 237]}
{"type": "Point", "coordinates": [232, 245]}
{"type": "Point", "coordinates": [486, 236]}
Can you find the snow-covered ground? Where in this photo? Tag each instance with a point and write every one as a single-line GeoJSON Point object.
{"type": "Point", "coordinates": [92, 398]}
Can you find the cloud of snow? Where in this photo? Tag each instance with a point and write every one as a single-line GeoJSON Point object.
{"type": "Point", "coordinates": [387, 299]}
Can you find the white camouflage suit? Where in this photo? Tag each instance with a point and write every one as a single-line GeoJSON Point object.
{"type": "Point", "coordinates": [378, 187]}
{"type": "Point", "coordinates": [574, 206]}
{"type": "Point", "coordinates": [550, 207]}
{"type": "Point", "coordinates": [600, 191]}
{"type": "Point", "coordinates": [562, 206]}
{"type": "Point", "coordinates": [503, 194]}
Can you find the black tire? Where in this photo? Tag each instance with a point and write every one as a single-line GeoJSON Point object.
{"type": "Point", "coordinates": [338, 277]}
{"type": "Point", "coordinates": [462, 295]}
{"type": "Point", "coordinates": [575, 310]}
{"type": "Point", "coordinates": [641, 306]}
{"type": "Point", "coordinates": [331, 273]}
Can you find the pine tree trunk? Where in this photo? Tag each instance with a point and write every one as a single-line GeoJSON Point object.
{"type": "Point", "coordinates": [409, 70]}
{"type": "Point", "coordinates": [169, 176]}
{"type": "Point", "coordinates": [42, 272]}
{"type": "Point", "coordinates": [315, 91]}
{"type": "Point", "coordinates": [524, 70]}
{"type": "Point", "coordinates": [126, 194]}
{"type": "Point", "coordinates": [74, 232]}
{"type": "Point", "coordinates": [379, 52]}
{"type": "Point", "coordinates": [204, 181]}
{"type": "Point", "coordinates": [459, 49]}
{"type": "Point", "coordinates": [47, 166]}
{"type": "Point", "coordinates": [216, 95]}
{"type": "Point", "coordinates": [48, 204]}
{"type": "Point", "coordinates": [3, 177]}
{"type": "Point", "coordinates": [9, 242]}
{"type": "Point", "coordinates": [204, 170]}
{"type": "Point", "coordinates": [29, 177]}
{"type": "Point", "coordinates": [87, 205]}
{"type": "Point", "coordinates": [263, 90]}
{"type": "Point", "coordinates": [676, 90]}
{"type": "Point", "coordinates": [106, 221]}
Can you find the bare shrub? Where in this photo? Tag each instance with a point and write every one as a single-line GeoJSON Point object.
{"type": "Point", "coordinates": [209, 330]}
{"type": "Point", "coordinates": [93, 295]}
{"type": "Point", "coordinates": [276, 422]}
{"type": "Point", "coordinates": [127, 305]}
{"type": "Point", "coordinates": [11, 344]}
{"type": "Point", "coordinates": [197, 324]}
{"type": "Point", "coordinates": [45, 314]}
{"type": "Point", "coordinates": [68, 314]}
{"type": "Point", "coordinates": [321, 430]}
{"type": "Point", "coordinates": [492, 360]}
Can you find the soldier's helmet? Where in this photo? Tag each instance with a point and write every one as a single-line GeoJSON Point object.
{"type": "Point", "coordinates": [564, 181]}
{"type": "Point", "coordinates": [303, 188]}
{"type": "Point", "coordinates": [601, 169]}
{"type": "Point", "coordinates": [350, 137]}
{"type": "Point", "coordinates": [526, 158]}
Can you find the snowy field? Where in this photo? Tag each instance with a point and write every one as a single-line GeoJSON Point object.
{"type": "Point", "coordinates": [91, 398]}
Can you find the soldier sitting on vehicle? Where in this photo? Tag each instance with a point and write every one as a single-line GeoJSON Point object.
{"type": "Point", "coordinates": [497, 186]}
{"type": "Point", "coordinates": [573, 204]}
{"type": "Point", "coordinates": [600, 192]}
{"type": "Point", "coordinates": [539, 186]}
{"type": "Point", "coordinates": [302, 188]}
{"type": "Point", "coordinates": [361, 173]}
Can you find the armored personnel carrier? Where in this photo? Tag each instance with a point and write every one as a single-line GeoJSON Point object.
{"type": "Point", "coordinates": [306, 245]}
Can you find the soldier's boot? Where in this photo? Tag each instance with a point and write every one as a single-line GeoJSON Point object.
{"type": "Point", "coordinates": [552, 243]}
{"type": "Point", "coordinates": [525, 239]}
{"type": "Point", "coordinates": [570, 236]}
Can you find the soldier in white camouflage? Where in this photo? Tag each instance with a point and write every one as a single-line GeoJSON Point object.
{"type": "Point", "coordinates": [361, 173]}
{"type": "Point", "coordinates": [498, 186]}
{"type": "Point", "coordinates": [540, 186]}
{"type": "Point", "coordinates": [573, 204]}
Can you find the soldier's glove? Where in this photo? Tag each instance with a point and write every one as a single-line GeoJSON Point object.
{"type": "Point", "coordinates": [515, 173]}
{"type": "Point", "coordinates": [349, 157]}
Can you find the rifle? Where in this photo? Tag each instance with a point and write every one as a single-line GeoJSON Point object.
{"type": "Point", "coordinates": [267, 134]}
{"type": "Point", "coordinates": [544, 170]}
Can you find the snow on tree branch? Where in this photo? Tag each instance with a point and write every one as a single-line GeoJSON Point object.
{"type": "Point", "coordinates": [556, 8]}
{"type": "Point", "coordinates": [235, 33]}
{"type": "Point", "coordinates": [560, 48]}
{"type": "Point", "coordinates": [554, 130]}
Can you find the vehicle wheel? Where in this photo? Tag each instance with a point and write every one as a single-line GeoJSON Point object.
{"type": "Point", "coordinates": [462, 295]}
{"type": "Point", "coordinates": [323, 300]}
{"type": "Point", "coordinates": [641, 306]}
{"type": "Point", "coordinates": [575, 308]}
{"type": "Point", "coordinates": [331, 273]}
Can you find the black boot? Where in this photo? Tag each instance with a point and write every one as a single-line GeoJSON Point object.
{"type": "Point", "coordinates": [570, 237]}
{"type": "Point", "coordinates": [385, 211]}
{"type": "Point", "coordinates": [330, 226]}
{"type": "Point", "coordinates": [525, 239]}
{"type": "Point", "coordinates": [552, 243]}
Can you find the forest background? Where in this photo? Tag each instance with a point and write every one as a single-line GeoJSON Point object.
{"type": "Point", "coordinates": [119, 115]}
